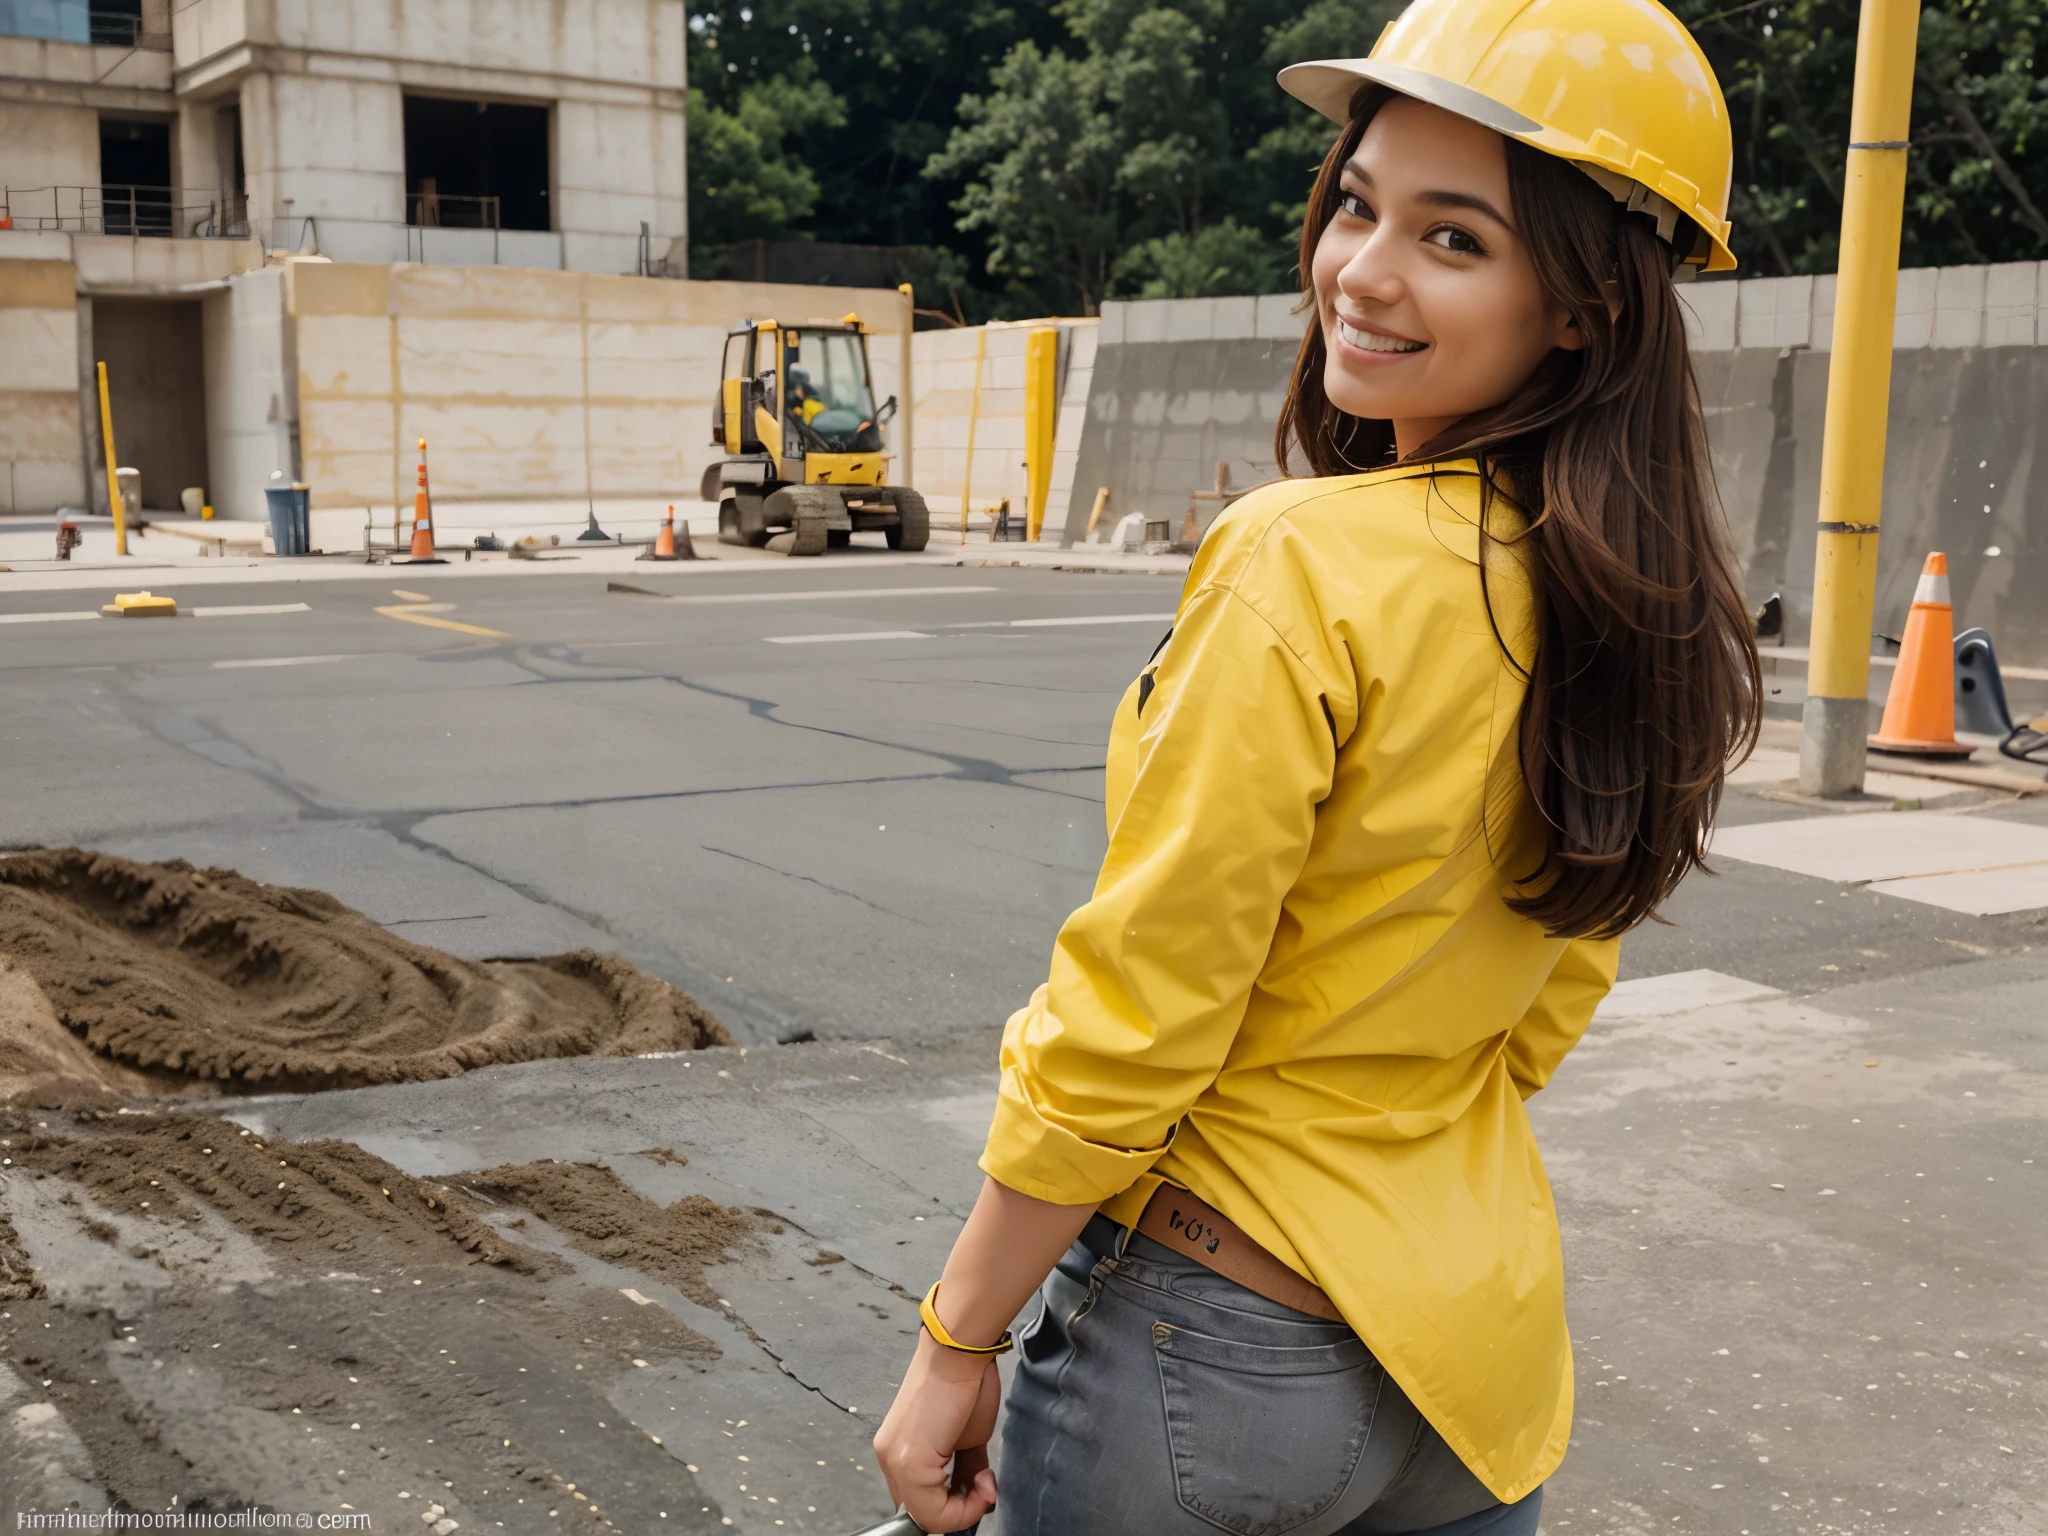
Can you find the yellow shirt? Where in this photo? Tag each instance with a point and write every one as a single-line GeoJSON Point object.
{"type": "Point", "coordinates": [1296, 991]}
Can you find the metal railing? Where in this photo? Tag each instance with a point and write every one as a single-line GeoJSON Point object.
{"type": "Point", "coordinates": [116, 29]}
{"type": "Point", "coordinates": [171, 212]}
{"type": "Point", "coordinates": [445, 210]}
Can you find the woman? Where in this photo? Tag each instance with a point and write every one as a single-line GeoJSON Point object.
{"type": "Point", "coordinates": [1432, 730]}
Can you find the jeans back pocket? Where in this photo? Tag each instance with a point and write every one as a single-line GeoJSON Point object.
{"type": "Point", "coordinates": [1264, 1438]}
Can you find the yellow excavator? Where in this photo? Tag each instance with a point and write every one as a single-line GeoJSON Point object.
{"type": "Point", "coordinates": [805, 466]}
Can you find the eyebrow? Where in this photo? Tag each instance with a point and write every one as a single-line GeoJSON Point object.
{"type": "Point", "coordinates": [1443, 199]}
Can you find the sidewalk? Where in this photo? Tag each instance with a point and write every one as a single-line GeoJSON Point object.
{"type": "Point", "coordinates": [157, 555]}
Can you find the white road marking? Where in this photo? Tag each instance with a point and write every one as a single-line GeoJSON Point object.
{"type": "Point", "coordinates": [230, 611]}
{"type": "Point", "coordinates": [286, 661]}
{"type": "Point", "coordinates": [822, 595]}
{"type": "Point", "coordinates": [1097, 618]}
{"type": "Point", "coordinates": [866, 634]}
{"type": "Point", "coordinates": [1651, 997]}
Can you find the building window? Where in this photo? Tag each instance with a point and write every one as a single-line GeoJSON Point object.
{"type": "Point", "coordinates": [135, 177]}
{"type": "Point", "coordinates": [476, 164]}
{"type": "Point", "coordinates": [116, 22]}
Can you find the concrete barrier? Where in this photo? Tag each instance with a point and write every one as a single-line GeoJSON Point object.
{"type": "Point", "coordinates": [959, 400]}
{"type": "Point", "coordinates": [1181, 386]}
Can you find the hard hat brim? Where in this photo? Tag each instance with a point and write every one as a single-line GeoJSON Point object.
{"type": "Point", "coordinates": [1326, 86]}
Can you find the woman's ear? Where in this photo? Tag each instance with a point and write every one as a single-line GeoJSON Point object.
{"type": "Point", "coordinates": [1567, 337]}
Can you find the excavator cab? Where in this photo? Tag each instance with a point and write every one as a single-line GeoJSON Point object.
{"type": "Point", "coordinates": [806, 465]}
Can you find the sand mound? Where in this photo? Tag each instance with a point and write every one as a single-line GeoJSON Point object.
{"type": "Point", "coordinates": [163, 978]}
{"type": "Point", "coordinates": [603, 1216]}
{"type": "Point", "coordinates": [329, 1195]}
{"type": "Point", "coordinates": [18, 1278]}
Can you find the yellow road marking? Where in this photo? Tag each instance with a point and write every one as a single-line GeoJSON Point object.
{"type": "Point", "coordinates": [413, 616]}
{"type": "Point", "coordinates": [410, 597]}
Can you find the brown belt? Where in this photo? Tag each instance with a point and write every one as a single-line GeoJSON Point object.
{"type": "Point", "coordinates": [1179, 1221]}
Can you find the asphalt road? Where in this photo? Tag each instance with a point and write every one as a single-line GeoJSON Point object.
{"type": "Point", "coordinates": [820, 797]}
{"type": "Point", "coordinates": [837, 797]}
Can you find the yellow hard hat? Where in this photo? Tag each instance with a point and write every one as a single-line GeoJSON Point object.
{"type": "Point", "coordinates": [1617, 87]}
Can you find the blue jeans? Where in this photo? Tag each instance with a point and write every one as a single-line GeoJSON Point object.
{"type": "Point", "coordinates": [1153, 1397]}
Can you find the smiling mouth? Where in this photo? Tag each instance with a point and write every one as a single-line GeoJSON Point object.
{"type": "Point", "coordinates": [1370, 341]}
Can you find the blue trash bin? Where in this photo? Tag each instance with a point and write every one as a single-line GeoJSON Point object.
{"type": "Point", "coordinates": [291, 511]}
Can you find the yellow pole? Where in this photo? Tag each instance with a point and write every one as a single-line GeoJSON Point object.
{"type": "Point", "coordinates": [1859, 396]}
{"type": "Point", "coordinates": [1041, 418]}
{"type": "Point", "coordinates": [973, 419]}
{"type": "Point", "coordinates": [1095, 512]}
{"type": "Point", "coordinates": [113, 474]}
{"type": "Point", "coordinates": [906, 440]}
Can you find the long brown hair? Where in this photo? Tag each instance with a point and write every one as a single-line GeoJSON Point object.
{"type": "Point", "coordinates": [1645, 680]}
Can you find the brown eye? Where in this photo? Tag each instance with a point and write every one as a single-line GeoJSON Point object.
{"type": "Point", "coordinates": [1451, 238]}
{"type": "Point", "coordinates": [1354, 205]}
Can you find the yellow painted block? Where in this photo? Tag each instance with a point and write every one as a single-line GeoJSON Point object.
{"type": "Point", "coordinates": [141, 605]}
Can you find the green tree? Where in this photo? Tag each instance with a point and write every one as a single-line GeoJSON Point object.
{"type": "Point", "coordinates": [1221, 258]}
{"type": "Point", "coordinates": [1976, 180]}
{"type": "Point", "coordinates": [1288, 154]}
{"type": "Point", "coordinates": [748, 176]}
{"type": "Point", "coordinates": [1039, 156]}
{"type": "Point", "coordinates": [1121, 165]}
{"type": "Point", "coordinates": [898, 67]}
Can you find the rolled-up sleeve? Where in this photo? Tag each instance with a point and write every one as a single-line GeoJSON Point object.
{"type": "Point", "coordinates": [1150, 979]}
{"type": "Point", "coordinates": [1583, 975]}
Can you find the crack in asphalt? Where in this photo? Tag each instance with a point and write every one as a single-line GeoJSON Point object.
{"type": "Point", "coordinates": [820, 884]}
{"type": "Point", "coordinates": [207, 736]}
{"type": "Point", "coordinates": [977, 769]}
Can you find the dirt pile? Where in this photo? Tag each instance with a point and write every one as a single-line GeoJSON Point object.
{"type": "Point", "coordinates": [164, 978]}
{"type": "Point", "coordinates": [329, 1196]}
{"type": "Point", "coordinates": [18, 1278]}
{"type": "Point", "coordinates": [603, 1216]}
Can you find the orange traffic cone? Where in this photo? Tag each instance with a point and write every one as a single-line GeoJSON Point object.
{"type": "Point", "coordinates": [671, 543]}
{"type": "Point", "coordinates": [1920, 710]}
{"type": "Point", "coordinates": [423, 517]}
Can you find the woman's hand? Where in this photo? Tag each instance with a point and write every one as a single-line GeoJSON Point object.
{"type": "Point", "coordinates": [933, 1446]}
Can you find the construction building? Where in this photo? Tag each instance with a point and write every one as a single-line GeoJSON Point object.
{"type": "Point", "coordinates": [165, 168]}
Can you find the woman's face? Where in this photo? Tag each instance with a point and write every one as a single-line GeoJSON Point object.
{"type": "Point", "coordinates": [1429, 303]}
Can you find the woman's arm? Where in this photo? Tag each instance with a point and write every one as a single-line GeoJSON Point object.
{"type": "Point", "coordinates": [1149, 982]}
{"type": "Point", "coordinates": [947, 1403]}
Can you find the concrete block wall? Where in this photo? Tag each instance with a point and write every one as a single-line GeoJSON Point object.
{"type": "Point", "coordinates": [944, 380]}
{"type": "Point", "coordinates": [1180, 386]}
{"type": "Point", "coordinates": [40, 432]}
{"type": "Point", "coordinates": [1969, 398]}
{"type": "Point", "coordinates": [528, 385]}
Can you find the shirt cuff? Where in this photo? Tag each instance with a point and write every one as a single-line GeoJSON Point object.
{"type": "Point", "coordinates": [1034, 1156]}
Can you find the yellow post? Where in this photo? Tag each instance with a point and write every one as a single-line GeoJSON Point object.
{"type": "Point", "coordinates": [1095, 512]}
{"type": "Point", "coordinates": [906, 441]}
{"type": "Point", "coordinates": [1859, 395]}
{"type": "Point", "coordinates": [1041, 417]}
{"type": "Point", "coordinates": [113, 474]}
{"type": "Point", "coordinates": [973, 419]}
